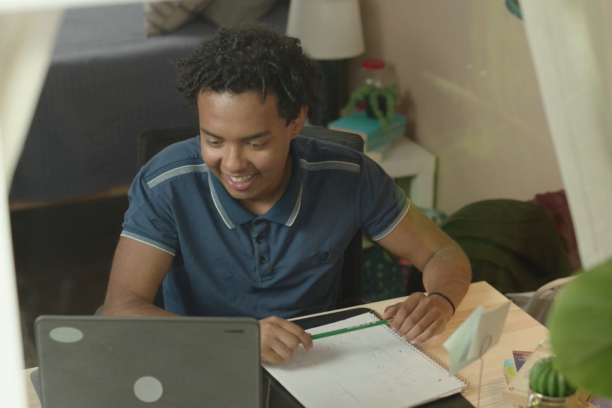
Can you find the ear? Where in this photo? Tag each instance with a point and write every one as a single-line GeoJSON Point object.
{"type": "Point", "coordinates": [296, 125]}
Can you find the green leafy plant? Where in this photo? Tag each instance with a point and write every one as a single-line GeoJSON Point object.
{"type": "Point", "coordinates": [545, 378]}
{"type": "Point", "coordinates": [372, 95]}
{"type": "Point", "coordinates": [580, 324]}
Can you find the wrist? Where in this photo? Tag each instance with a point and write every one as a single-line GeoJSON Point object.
{"type": "Point", "coordinates": [446, 298]}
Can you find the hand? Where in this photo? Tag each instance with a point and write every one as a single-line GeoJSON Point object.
{"type": "Point", "coordinates": [419, 317]}
{"type": "Point", "coordinates": [280, 339]}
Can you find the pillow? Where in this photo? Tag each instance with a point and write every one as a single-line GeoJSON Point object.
{"type": "Point", "coordinates": [511, 244]}
{"type": "Point", "coordinates": [227, 13]}
{"type": "Point", "coordinates": [161, 17]}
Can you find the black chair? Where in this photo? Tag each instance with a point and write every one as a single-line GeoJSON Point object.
{"type": "Point", "coordinates": [151, 142]}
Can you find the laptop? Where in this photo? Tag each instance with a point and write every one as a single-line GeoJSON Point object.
{"type": "Point", "coordinates": [93, 361]}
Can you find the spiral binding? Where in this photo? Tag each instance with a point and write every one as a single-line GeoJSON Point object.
{"type": "Point", "coordinates": [428, 355]}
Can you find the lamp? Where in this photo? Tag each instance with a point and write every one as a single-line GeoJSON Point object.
{"type": "Point", "coordinates": [330, 31]}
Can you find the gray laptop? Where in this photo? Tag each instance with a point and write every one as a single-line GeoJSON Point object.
{"type": "Point", "coordinates": [91, 361]}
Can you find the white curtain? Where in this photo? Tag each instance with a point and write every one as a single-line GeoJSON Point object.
{"type": "Point", "coordinates": [571, 45]}
{"type": "Point", "coordinates": [26, 42]}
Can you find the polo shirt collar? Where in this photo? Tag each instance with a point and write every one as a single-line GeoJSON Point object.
{"type": "Point", "coordinates": [285, 211]}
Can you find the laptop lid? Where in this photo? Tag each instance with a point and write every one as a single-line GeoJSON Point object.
{"type": "Point", "coordinates": [93, 361]}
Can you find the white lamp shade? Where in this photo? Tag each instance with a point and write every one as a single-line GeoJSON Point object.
{"type": "Point", "coordinates": [328, 29]}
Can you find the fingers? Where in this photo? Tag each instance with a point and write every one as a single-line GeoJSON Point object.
{"type": "Point", "coordinates": [418, 318]}
{"type": "Point", "coordinates": [428, 324]}
{"type": "Point", "coordinates": [280, 339]}
{"type": "Point", "coordinates": [390, 311]}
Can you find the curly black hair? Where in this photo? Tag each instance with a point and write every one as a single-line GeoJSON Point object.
{"type": "Point", "coordinates": [252, 58]}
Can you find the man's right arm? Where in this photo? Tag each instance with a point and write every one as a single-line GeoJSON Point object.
{"type": "Point", "coordinates": [137, 272]}
{"type": "Point", "coordinates": [139, 269]}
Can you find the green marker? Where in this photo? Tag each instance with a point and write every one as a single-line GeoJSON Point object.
{"type": "Point", "coordinates": [350, 329]}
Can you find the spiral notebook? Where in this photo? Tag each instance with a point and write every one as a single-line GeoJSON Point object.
{"type": "Point", "coordinates": [367, 368]}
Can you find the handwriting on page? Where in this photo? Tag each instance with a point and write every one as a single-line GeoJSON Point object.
{"type": "Point", "coordinates": [371, 367]}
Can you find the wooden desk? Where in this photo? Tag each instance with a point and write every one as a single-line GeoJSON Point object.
{"type": "Point", "coordinates": [521, 332]}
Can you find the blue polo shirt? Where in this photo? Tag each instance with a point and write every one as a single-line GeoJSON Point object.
{"type": "Point", "coordinates": [287, 262]}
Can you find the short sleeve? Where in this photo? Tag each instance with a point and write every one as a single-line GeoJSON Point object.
{"type": "Point", "coordinates": [383, 203]}
{"type": "Point", "coordinates": [149, 218]}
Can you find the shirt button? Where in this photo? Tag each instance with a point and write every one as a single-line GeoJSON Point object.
{"type": "Point", "coordinates": [259, 240]}
{"type": "Point", "coordinates": [257, 222]}
{"type": "Point", "coordinates": [262, 260]}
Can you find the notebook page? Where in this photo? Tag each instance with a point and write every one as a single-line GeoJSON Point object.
{"type": "Point", "coordinates": [365, 368]}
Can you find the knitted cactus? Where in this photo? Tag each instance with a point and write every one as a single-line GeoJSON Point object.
{"type": "Point", "coordinates": [546, 379]}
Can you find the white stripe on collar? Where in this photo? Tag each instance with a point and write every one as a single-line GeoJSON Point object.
{"type": "Point", "coordinates": [218, 205]}
{"type": "Point", "coordinates": [192, 168]}
{"type": "Point", "coordinates": [296, 208]}
{"type": "Point", "coordinates": [330, 165]}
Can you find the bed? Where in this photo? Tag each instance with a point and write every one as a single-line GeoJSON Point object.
{"type": "Point", "coordinates": [107, 82]}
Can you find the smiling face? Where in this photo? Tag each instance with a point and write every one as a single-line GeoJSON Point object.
{"type": "Point", "coordinates": [245, 143]}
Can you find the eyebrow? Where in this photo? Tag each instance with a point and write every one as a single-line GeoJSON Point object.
{"type": "Point", "coordinates": [245, 139]}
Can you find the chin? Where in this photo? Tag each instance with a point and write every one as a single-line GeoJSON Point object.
{"type": "Point", "coordinates": [239, 195]}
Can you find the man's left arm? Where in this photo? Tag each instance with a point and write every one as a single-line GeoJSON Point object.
{"type": "Point", "coordinates": [446, 271]}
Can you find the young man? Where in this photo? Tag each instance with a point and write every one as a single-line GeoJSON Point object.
{"type": "Point", "coordinates": [251, 219]}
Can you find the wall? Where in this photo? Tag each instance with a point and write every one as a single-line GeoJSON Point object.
{"type": "Point", "coordinates": [466, 66]}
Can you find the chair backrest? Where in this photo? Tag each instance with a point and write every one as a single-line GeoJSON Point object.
{"type": "Point", "coordinates": [537, 304]}
{"type": "Point", "coordinates": [151, 142]}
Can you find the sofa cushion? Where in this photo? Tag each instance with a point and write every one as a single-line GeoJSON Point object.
{"type": "Point", "coordinates": [165, 16]}
{"type": "Point", "coordinates": [227, 13]}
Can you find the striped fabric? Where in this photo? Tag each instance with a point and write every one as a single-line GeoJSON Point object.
{"type": "Point", "coordinates": [162, 17]}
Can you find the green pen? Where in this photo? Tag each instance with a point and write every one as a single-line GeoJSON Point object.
{"type": "Point", "coordinates": [350, 329]}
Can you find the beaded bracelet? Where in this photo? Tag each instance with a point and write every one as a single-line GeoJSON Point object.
{"type": "Point", "coordinates": [444, 297]}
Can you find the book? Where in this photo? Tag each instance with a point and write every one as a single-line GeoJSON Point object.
{"type": "Point", "coordinates": [368, 368]}
{"type": "Point", "coordinates": [510, 373]}
{"type": "Point", "coordinates": [517, 391]}
{"type": "Point", "coordinates": [519, 358]}
{"type": "Point", "coordinates": [370, 129]}
{"type": "Point", "coordinates": [509, 370]}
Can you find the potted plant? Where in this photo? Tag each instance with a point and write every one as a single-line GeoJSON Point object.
{"type": "Point", "coordinates": [549, 387]}
{"type": "Point", "coordinates": [380, 102]}
{"type": "Point", "coordinates": [580, 324]}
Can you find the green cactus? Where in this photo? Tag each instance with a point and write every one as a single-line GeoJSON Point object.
{"type": "Point", "coordinates": [546, 379]}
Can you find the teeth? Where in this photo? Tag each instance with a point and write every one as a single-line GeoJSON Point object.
{"type": "Point", "coordinates": [240, 179]}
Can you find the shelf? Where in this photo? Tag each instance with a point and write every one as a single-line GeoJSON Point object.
{"type": "Point", "coordinates": [405, 158]}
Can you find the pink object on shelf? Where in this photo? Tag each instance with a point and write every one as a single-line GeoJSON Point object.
{"type": "Point", "coordinates": [373, 63]}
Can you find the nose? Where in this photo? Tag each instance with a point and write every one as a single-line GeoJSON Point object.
{"type": "Point", "coordinates": [234, 161]}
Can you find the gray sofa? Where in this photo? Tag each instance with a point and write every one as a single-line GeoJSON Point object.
{"type": "Point", "coordinates": [107, 83]}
